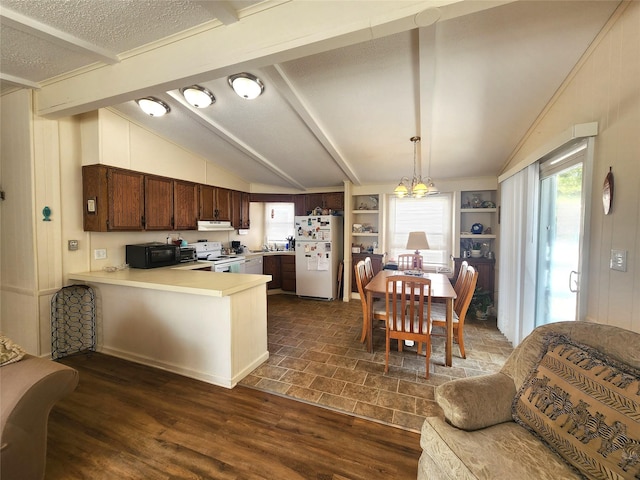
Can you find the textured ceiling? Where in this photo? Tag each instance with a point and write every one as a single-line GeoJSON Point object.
{"type": "Point", "coordinates": [471, 84]}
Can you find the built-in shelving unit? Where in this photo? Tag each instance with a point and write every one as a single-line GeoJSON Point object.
{"type": "Point", "coordinates": [477, 207]}
{"type": "Point", "coordinates": [365, 228]}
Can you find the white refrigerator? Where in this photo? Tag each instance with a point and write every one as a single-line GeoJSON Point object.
{"type": "Point", "coordinates": [318, 255]}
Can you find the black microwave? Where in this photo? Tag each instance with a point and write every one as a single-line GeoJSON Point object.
{"type": "Point", "coordinates": [152, 255]}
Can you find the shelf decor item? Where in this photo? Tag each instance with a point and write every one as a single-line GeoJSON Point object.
{"type": "Point", "coordinates": [477, 228]}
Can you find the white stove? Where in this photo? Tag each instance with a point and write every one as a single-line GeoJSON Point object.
{"type": "Point", "coordinates": [211, 253]}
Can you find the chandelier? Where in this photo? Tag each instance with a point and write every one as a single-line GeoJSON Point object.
{"type": "Point", "coordinates": [416, 187]}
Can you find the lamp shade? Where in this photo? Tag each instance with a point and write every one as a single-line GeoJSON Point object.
{"type": "Point", "coordinates": [417, 241]}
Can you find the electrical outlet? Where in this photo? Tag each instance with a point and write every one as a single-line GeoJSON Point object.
{"type": "Point", "coordinates": [618, 260]}
{"type": "Point", "coordinates": [73, 245]}
{"type": "Point", "coordinates": [100, 253]}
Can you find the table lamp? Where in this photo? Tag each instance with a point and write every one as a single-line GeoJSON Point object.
{"type": "Point", "coordinates": [417, 241]}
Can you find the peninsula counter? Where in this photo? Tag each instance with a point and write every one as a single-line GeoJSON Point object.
{"type": "Point", "coordinates": [205, 325]}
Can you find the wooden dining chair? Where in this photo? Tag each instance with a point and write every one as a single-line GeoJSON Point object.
{"type": "Point", "coordinates": [460, 278]}
{"type": "Point", "coordinates": [409, 261]}
{"type": "Point", "coordinates": [379, 311]}
{"type": "Point", "coordinates": [368, 267]}
{"type": "Point", "coordinates": [439, 312]}
{"type": "Point", "coordinates": [408, 311]}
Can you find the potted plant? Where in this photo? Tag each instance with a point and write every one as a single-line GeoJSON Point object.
{"type": "Point", "coordinates": [476, 250]}
{"type": "Point", "coordinates": [480, 303]}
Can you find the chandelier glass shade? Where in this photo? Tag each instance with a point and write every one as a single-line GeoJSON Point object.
{"type": "Point", "coordinates": [416, 187]}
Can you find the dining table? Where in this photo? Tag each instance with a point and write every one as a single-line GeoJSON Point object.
{"type": "Point", "coordinates": [441, 288]}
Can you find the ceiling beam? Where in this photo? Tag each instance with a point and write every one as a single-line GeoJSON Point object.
{"type": "Point", "coordinates": [35, 28]}
{"type": "Point", "coordinates": [312, 27]}
{"type": "Point", "coordinates": [427, 58]}
{"type": "Point", "coordinates": [234, 141]}
{"type": "Point", "coordinates": [18, 81]}
{"type": "Point", "coordinates": [222, 10]}
{"type": "Point", "coordinates": [279, 79]}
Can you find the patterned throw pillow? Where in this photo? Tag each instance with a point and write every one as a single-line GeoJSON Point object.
{"type": "Point", "coordinates": [9, 351]}
{"type": "Point", "coordinates": [586, 407]}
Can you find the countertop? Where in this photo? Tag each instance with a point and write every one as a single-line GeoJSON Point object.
{"type": "Point", "coordinates": [178, 278]}
{"type": "Point", "coordinates": [270, 253]}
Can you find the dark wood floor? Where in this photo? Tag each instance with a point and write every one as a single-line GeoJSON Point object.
{"type": "Point", "coordinates": [127, 421]}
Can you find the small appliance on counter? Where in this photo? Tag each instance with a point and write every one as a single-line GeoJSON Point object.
{"type": "Point", "coordinates": [152, 255]}
{"type": "Point", "coordinates": [188, 254]}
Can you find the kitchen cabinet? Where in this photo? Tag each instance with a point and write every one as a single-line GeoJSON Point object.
{"type": "Point", "coordinates": [240, 209]}
{"type": "Point", "coordinates": [271, 266]}
{"type": "Point", "coordinates": [113, 199]}
{"type": "Point", "coordinates": [376, 263]}
{"type": "Point", "coordinates": [288, 268]}
{"type": "Point", "coordinates": [117, 199]}
{"type": "Point", "coordinates": [214, 203]}
{"type": "Point", "coordinates": [185, 205]}
{"type": "Point", "coordinates": [331, 200]}
{"type": "Point", "coordinates": [158, 203]}
{"type": "Point", "coordinates": [486, 272]}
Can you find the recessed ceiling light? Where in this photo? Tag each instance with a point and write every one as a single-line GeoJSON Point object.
{"type": "Point", "coordinates": [198, 96]}
{"type": "Point", "coordinates": [246, 85]}
{"type": "Point", "coordinates": [153, 107]}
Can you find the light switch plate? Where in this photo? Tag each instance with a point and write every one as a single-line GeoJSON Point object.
{"type": "Point", "coordinates": [618, 260]}
{"type": "Point", "coordinates": [73, 245]}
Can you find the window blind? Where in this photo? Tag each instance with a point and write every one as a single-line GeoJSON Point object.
{"type": "Point", "coordinates": [432, 215]}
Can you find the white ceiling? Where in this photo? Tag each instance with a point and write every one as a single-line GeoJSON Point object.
{"type": "Point", "coordinates": [343, 95]}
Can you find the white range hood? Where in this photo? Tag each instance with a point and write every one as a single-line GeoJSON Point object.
{"type": "Point", "coordinates": [214, 226]}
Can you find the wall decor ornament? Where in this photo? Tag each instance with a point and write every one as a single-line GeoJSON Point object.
{"type": "Point", "coordinates": [607, 192]}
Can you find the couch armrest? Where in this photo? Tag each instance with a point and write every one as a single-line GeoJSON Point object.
{"type": "Point", "coordinates": [477, 402]}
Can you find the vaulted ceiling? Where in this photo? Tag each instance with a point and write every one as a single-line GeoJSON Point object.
{"type": "Point", "coordinates": [347, 83]}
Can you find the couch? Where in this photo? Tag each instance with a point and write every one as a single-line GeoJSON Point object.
{"type": "Point", "coordinates": [29, 387]}
{"type": "Point", "coordinates": [479, 439]}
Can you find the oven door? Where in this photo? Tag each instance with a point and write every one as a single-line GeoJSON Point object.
{"type": "Point", "coordinates": [230, 267]}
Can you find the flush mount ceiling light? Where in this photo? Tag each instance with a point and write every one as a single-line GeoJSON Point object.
{"type": "Point", "coordinates": [246, 85]}
{"type": "Point", "coordinates": [198, 96]}
{"type": "Point", "coordinates": [153, 107]}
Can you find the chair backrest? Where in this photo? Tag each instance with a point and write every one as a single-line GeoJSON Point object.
{"type": "Point", "coordinates": [408, 301]}
{"type": "Point", "coordinates": [409, 261]}
{"type": "Point", "coordinates": [361, 282]}
{"type": "Point", "coordinates": [463, 269]}
{"type": "Point", "coordinates": [469, 288]}
{"type": "Point", "coordinates": [368, 267]}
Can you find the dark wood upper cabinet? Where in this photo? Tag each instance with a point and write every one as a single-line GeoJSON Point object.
{"type": "Point", "coordinates": [239, 209]}
{"type": "Point", "coordinates": [215, 203]}
{"type": "Point", "coordinates": [158, 203]}
{"type": "Point", "coordinates": [116, 199]}
{"type": "Point", "coordinates": [332, 200]}
{"type": "Point", "coordinates": [207, 196]}
{"type": "Point", "coordinates": [113, 199]}
{"type": "Point", "coordinates": [185, 205]}
{"type": "Point", "coordinates": [222, 209]}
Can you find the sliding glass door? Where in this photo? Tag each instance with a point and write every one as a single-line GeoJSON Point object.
{"type": "Point", "coordinates": [561, 235]}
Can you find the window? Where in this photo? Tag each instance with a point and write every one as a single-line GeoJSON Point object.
{"type": "Point", "coordinates": [432, 215]}
{"type": "Point", "coordinates": [279, 220]}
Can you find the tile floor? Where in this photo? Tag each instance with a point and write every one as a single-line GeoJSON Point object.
{"type": "Point", "coordinates": [316, 356]}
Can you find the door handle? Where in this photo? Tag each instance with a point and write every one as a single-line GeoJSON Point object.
{"type": "Point", "coordinates": [573, 281]}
